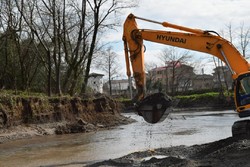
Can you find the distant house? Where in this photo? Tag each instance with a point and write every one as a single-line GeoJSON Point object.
{"type": "Point", "coordinates": [95, 82]}
{"type": "Point", "coordinates": [204, 81]}
{"type": "Point", "coordinates": [178, 77]}
{"type": "Point", "coordinates": [174, 77]}
{"type": "Point", "coordinates": [222, 74]}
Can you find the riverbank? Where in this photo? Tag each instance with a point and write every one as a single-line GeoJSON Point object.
{"type": "Point", "coordinates": [22, 117]}
{"type": "Point", "coordinates": [27, 131]}
{"type": "Point", "coordinates": [25, 117]}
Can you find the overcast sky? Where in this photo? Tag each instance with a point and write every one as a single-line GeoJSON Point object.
{"type": "Point", "coordinates": [202, 14]}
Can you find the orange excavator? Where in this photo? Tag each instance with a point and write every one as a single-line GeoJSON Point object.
{"type": "Point", "coordinates": [155, 107]}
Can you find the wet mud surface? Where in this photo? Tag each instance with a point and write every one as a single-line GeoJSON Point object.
{"type": "Point", "coordinates": [230, 152]}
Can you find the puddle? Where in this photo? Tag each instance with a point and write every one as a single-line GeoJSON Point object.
{"type": "Point", "coordinates": [186, 132]}
{"type": "Point", "coordinates": [155, 156]}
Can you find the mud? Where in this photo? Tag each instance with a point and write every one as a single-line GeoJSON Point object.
{"type": "Point", "coordinates": [230, 152]}
{"type": "Point", "coordinates": [22, 118]}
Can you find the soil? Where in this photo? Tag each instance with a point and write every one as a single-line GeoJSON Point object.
{"type": "Point", "coordinates": [22, 118]}
{"type": "Point", "coordinates": [230, 152]}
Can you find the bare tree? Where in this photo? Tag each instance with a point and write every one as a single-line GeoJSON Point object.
{"type": "Point", "coordinates": [244, 39]}
{"type": "Point", "coordinates": [108, 63]}
{"type": "Point", "coordinates": [149, 68]}
{"type": "Point", "coordinates": [9, 42]}
{"type": "Point", "coordinates": [20, 64]}
{"type": "Point", "coordinates": [219, 65]}
{"type": "Point", "coordinates": [102, 11]}
{"type": "Point", "coordinates": [59, 26]}
{"type": "Point", "coordinates": [230, 32]}
{"type": "Point", "coordinates": [75, 44]}
{"type": "Point", "coordinates": [63, 35]}
{"type": "Point", "coordinates": [31, 15]}
{"type": "Point", "coordinates": [173, 58]}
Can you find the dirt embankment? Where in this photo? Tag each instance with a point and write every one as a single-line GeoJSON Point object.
{"type": "Point", "coordinates": [22, 117]}
{"type": "Point", "coordinates": [230, 152]}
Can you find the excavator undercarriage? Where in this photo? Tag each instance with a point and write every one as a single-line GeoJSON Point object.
{"type": "Point", "coordinates": [241, 128]}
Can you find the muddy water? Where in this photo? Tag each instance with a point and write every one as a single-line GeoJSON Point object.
{"type": "Point", "coordinates": [78, 149]}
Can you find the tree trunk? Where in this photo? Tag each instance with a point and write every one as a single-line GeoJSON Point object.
{"type": "Point", "coordinates": [49, 73]}
{"type": "Point", "coordinates": [56, 51]}
{"type": "Point", "coordinates": [91, 52]}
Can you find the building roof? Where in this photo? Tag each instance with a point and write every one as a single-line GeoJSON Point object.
{"type": "Point", "coordinates": [174, 63]}
{"type": "Point", "coordinates": [170, 64]}
{"type": "Point", "coordinates": [158, 69]}
{"type": "Point", "coordinates": [119, 81]}
{"type": "Point", "coordinates": [95, 75]}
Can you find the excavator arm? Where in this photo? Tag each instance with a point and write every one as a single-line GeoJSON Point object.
{"type": "Point", "coordinates": [193, 39]}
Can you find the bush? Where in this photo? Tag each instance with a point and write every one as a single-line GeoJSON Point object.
{"type": "Point", "coordinates": [210, 99]}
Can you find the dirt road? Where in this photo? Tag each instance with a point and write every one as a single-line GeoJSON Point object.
{"type": "Point", "coordinates": [230, 152]}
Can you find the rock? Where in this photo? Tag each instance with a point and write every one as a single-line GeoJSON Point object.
{"type": "Point", "coordinates": [76, 128]}
{"type": "Point", "coordinates": [90, 127]}
{"type": "Point", "coordinates": [82, 122]}
{"type": "Point", "coordinates": [100, 126]}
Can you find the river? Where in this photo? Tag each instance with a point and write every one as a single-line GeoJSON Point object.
{"type": "Point", "coordinates": [187, 128]}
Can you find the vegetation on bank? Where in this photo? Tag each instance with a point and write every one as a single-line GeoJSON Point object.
{"type": "Point", "coordinates": [208, 99]}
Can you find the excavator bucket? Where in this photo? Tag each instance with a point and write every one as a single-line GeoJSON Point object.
{"type": "Point", "coordinates": [154, 108]}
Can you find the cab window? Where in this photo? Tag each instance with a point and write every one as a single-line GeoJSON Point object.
{"type": "Point", "coordinates": [244, 91]}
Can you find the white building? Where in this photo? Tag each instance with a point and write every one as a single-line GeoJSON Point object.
{"type": "Point", "coordinates": [95, 82]}
{"type": "Point", "coordinates": [119, 87]}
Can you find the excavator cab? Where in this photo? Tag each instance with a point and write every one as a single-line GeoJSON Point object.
{"type": "Point", "coordinates": [242, 94]}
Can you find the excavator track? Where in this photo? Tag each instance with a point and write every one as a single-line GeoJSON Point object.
{"type": "Point", "coordinates": [241, 128]}
{"type": "Point", "coordinates": [154, 108]}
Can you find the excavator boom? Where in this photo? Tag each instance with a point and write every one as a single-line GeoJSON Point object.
{"type": "Point", "coordinates": [193, 39]}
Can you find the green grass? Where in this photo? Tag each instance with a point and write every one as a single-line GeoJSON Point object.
{"type": "Point", "coordinates": [197, 96]}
